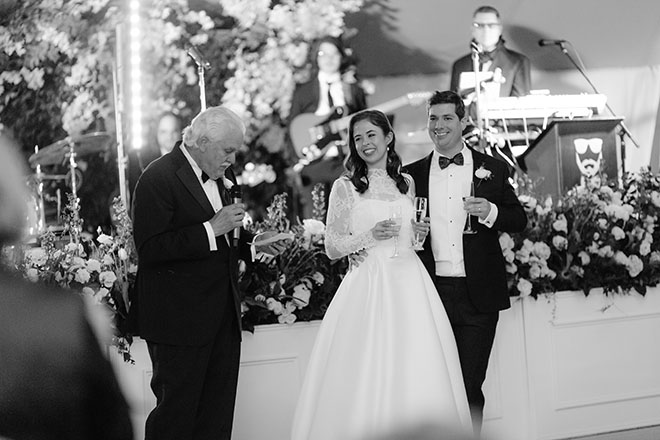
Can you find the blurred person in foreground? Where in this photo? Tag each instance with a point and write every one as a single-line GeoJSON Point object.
{"type": "Point", "coordinates": [55, 382]}
{"type": "Point", "coordinates": [188, 305]}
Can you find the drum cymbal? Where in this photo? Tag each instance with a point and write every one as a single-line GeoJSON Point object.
{"type": "Point", "coordinates": [57, 153]}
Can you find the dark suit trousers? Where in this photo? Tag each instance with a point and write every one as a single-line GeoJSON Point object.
{"type": "Point", "coordinates": [195, 387]}
{"type": "Point", "coordinates": [474, 332]}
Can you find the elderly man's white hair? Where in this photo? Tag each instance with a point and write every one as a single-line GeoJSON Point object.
{"type": "Point", "coordinates": [212, 123]}
{"type": "Point", "coordinates": [13, 193]}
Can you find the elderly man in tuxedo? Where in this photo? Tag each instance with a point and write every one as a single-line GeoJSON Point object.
{"type": "Point", "coordinates": [188, 305]}
{"type": "Point", "coordinates": [468, 269]}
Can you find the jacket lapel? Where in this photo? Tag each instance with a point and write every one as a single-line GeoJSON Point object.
{"type": "Point", "coordinates": [189, 180]}
{"type": "Point", "coordinates": [422, 178]}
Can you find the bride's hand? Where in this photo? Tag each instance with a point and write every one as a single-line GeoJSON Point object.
{"type": "Point", "coordinates": [384, 230]}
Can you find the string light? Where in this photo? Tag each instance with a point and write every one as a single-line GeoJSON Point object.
{"type": "Point", "coordinates": [135, 73]}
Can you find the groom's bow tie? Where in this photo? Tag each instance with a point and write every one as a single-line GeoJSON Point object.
{"type": "Point", "coordinates": [445, 161]}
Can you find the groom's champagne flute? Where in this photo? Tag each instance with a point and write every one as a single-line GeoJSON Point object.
{"type": "Point", "coordinates": [395, 217]}
{"type": "Point", "coordinates": [468, 229]}
{"type": "Point", "coordinates": [420, 212]}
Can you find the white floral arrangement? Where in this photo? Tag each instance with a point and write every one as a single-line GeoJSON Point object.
{"type": "Point", "coordinates": [298, 284]}
{"type": "Point", "coordinates": [595, 236]}
{"type": "Point", "coordinates": [103, 269]}
{"type": "Point", "coordinates": [272, 52]}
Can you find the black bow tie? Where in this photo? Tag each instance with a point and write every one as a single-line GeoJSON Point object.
{"type": "Point", "coordinates": [445, 161]}
{"type": "Point", "coordinates": [205, 177]}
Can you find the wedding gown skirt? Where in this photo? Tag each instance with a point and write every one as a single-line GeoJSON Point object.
{"type": "Point", "coordinates": [385, 355]}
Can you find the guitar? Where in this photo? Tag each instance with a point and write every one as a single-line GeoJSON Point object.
{"type": "Point", "coordinates": [312, 135]}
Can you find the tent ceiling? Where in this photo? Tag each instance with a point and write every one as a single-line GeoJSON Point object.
{"type": "Point", "coordinates": [399, 37]}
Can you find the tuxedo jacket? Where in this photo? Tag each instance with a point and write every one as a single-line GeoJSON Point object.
{"type": "Point", "coordinates": [484, 262]}
{"type": "Point", "coordinates": [183, 289]}
{"type": "Point", "coordinates": [515, 69]}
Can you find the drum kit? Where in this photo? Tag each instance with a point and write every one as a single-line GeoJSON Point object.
{"type": "Point", "coordinates": [63, 153]}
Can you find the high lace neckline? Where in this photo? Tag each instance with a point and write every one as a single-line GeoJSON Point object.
{"type": "Point", "coordinates": [378, 172]}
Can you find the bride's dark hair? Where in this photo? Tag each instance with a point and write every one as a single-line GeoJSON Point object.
{"type": "Point", "coordinates": [357, 167]}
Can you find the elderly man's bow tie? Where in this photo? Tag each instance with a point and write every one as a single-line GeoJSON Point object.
{"type": "Point", "coordinates": [445, 161]}
{"type": "Point", "coordinates": [205, 177]}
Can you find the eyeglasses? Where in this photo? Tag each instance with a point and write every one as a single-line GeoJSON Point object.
{"type": "Point", "coordinates": [486, 25]}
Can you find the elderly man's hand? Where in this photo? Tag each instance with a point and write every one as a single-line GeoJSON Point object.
{"type": "Point", "coordinates": [271, 242]}
{"type": "Point", "coordinates": [228, 218]}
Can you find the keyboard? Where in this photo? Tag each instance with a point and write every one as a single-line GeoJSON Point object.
{"type": "Point", "coordinates": [544, 106]}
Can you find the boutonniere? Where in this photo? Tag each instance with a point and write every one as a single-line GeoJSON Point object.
{"type": "Point", "coordinates": [227, 183]}
{"type": "Point", "coordinates": [483, 173]}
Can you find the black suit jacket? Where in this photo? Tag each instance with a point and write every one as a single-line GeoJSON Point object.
{"type": "Point", "coordinates": [484, 261]}
{"type": "Point", "coordinates": [182, 287]}
{"type": "Point", "coordinates": [306, 98]}
{"type": "Point", "coordinates": [515, 69]}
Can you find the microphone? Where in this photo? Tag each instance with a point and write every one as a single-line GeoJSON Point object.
{"type": "Point", "coordinates": [476, 47]}
{"type": "Point", "coordinates": [197, 56]}
{"type": "Point", "coordinates": [236, 197]}
{"type": "Point", "coordinates": [552, 42]}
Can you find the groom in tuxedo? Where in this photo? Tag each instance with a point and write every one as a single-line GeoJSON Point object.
{"type": "Point", "coordinates": [188, 305]}
{"type": "Point", "coordinates": [468, 269]}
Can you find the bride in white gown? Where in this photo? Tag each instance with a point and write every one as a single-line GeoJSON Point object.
{"type": "Point", "coordinates": [385, 356]}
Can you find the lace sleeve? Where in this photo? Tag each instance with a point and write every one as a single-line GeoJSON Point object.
{"type": "Point", "coordinates": [339, 239]}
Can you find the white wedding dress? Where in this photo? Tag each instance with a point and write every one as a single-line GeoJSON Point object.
{"type": "Point", "coordinates": [385, 356]}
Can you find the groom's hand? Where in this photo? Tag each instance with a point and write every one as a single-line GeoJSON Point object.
{"type": "Point", "coordinates": [356, 258]}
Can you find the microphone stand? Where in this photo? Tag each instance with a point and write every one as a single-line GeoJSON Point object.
{"type": "Point", "coordinates": [202, 65]}
{"type": "Point", "coordinates": [202, 87]}
{"type": "Point", "coordinates": [477, 95]}
{"type": "Point", "coordinates": [624, 130]}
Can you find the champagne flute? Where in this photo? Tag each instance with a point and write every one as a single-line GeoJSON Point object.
{"type": "Point", "coordinates": [395, 218]}
{"type": "Point", "coordinates": [421, 204]}
{"type": "Point", "coordinates": [468, 226]}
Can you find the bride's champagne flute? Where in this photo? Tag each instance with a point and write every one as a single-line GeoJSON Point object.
{"type": "Point", "coordinates": [470, 190]}
{"type": "Point", "coordinates": [395, 218]}
{"type": "Point", "coordinates": [421, 204]}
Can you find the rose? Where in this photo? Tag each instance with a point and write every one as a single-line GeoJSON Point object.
{"type": "Point", "coordinates": [82, 276]}
{"type": "Point", "coordinates": [621, 258]}
{"type": "Point", "coordinates": [506, 242]}
{"type": "Point", "coordinates": [313, 227]}
{"type": "Point", "coordinates": [483, 173]}
{"type": "Point", "coordinates": [560, 225]}
{"type": "Point", "coordinates": [93, 265]}
{"type": "Point", "coordinates": [635, 265]}
{"type": "Point", "coordinates": [584, 257]}
{"type": "Point", "coordinates": [560, 243]}
{"type": "Point", "coordinates": [618, 233]}
{"type": "Point", "coordinates": [105, 239]}
{"type": "Point", "coordinates": [107, 278]}
{"type": "Point", "coordinates": [524, 287]}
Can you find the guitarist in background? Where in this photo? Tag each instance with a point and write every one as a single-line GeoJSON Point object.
{"type": "Point", "coordinates": [333, 92]}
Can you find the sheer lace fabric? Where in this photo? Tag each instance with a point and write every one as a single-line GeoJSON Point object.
{"type": "Point", "coordinates": [342, 238]}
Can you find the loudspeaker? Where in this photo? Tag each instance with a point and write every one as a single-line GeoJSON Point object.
{"type": "Point", "coordinates": [569, 150]}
